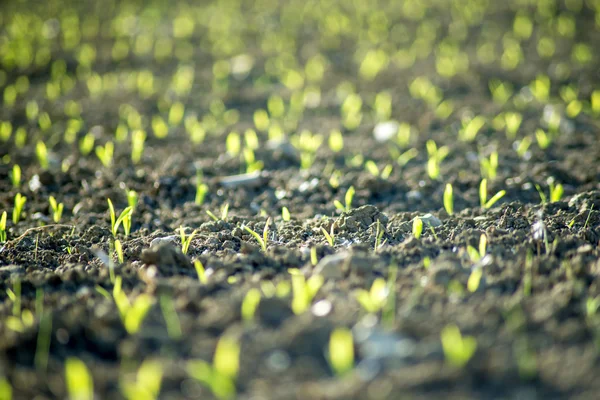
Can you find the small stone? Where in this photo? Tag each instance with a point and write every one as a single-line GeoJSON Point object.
{"type": "Point", "coordinates": [163, 240]}
{"type": "Point", "coordinates": [430, 220]}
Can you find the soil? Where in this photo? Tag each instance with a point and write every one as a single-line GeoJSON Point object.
{"type": "Point", "coordinates": [530, 315]}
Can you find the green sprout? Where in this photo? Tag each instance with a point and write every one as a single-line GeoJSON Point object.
{"type": "Point", "coordinates": [132, 198]}
{"type": "Point", "coordinates": [185, 240]}
{"type": "Point", "coordinates": [470, 129]}
{"type": "Point", "coordinates": [147, 383]}
{"type": "Point", "coordinates": [264, 240]}
{"type": "Point", "coordinates": [250, 304]}
{"type": "Point", "coordinates": [347, 200]}
{"type": "Point", "coordinates": [543, 139]}
{"type": "Point", "coordinates": [373, 300]}
{"type": "Point", "coordinates": [3, 227]}
{"type": "Point", "coordinates": [329, 236]}
{"type": "Point", "coordinates": [474, 279]}
{"type": "Point", "coordinates": [170, 315]}
{"type": "Point", "coordinates": [436, 156]}
{"type": "Point", "coordinates": [304, 290]}
{"type": "Point", "coordinates": [341, 351]}
{"type": "Point", "coordinates": [489, 166]}
{"type": "Point", "coordinates": [138, 137]}
{"type": "Point", "coordinates": [285, 214]}
{"type": "Point", "coordinates": [56, 208]}
{"type": "Point", "coordinates": [224, 213]}
{"type": "Point", "coordinates": [483, 200]}
{"type": "Point", "coordinates": [15, 176]}
{"type": "Point", "coordinates": [200, 271]}
{"type": "Point", "coordinates": [86, 144]}
{"type": "Point", "coordinates": [124, 217]}
{"type": "Point", "coordinates": [449, 199]}
{"type": "Point", "coordinates": [20, 201]}
{"type": "Point", "coordinates": [119, 251]}
{"type": "Point", "coordinates": [417, 227]}
{"type": "Point", "coordinates": [336, 141]}
{"type": "Point", "coordinates": [132, 314]}
{"type": "Point", "coordinates": [201, 189]}
{"type": "Point", "coordinates": [378, 235]}
{"type": "Point", "coordinates": [221, 376]}
{"type": "Point", "coordinates": [6, 390]}
{"type": "Point", "coordinates": [42, 154]}
{"type": "Point", "coordinates": [556, 192]}
{"type": "Point", "coordinates": [458, 349]}
{"type": "Point", "coordinates": [80, 385]}
{"type": "Point", "coordinates": [477, 254]}
{"type": "Point", "coordinates": [105, 154]}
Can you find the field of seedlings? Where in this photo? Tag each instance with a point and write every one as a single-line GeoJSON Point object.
{"type": "Point", "coordinates": [299, 199]}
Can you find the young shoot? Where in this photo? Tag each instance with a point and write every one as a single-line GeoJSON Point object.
{"type": "Point", "coordinates": [185, 240]}
{"type": "Point", "coordinates": [105, 154]}
{"type": "Point", "coordinates": [483, 200]}
{"type": "Point", "coordinates": [264, 240]}
{"type": "Point", "coordinates": [124, 218]}
{"type": "Point", "coordinates": [20, 201]}
{"type": "Point", "coordinates": [373, 300]}
{"type": "Point", "coordinates": [200, 271]}
{"type": "Point", "coordinates": [170, 316]}
{"type": "Point", "coordinates": [250, 304]}
{"type": "Point", "coordinates": [147, 383]}
{"type": "Point", "coordinates": [80, 385]}
{"type": "Point", "coordinates": [347, 206]}
{"type": "Point", "coordinates": [132, 314]}
{"type": "Point", "coordinates": [329, 236]}
{"type": "Point", "coordinates": [3, 227]}
{"type": "Point", "coordinates": [42, 154]}
{"type": "Point", "coordinates": [458, 349]}
{"type": "Point", "coordinates": [436, 156]}
{"type": "Point", "coordinates": [224, 213]}
{"type": "Point", "coordinates": [449, 199]}
{"type": "Point", "coordinates": [341, 351]}
{"type": "Point", "coordinates": [285, 214]}
{"type": "Point", "coordinates": [56, 209]}
{"type": "Point", "coordinates": [304, 290]}
{"type": "Point", "coordinates": [489, 166]}
{"type": "Point", "coordinates": [119, 251]}
{"type": "Point", "coordinates": [15, 176]}
{"type": "Point", "coordinates": [201, 189]}
{"type": "Point", "coordinates": [417, 227]}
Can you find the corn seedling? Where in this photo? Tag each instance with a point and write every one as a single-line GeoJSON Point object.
{"type": "Point", "coordinates": [471, 128]}
{"type": "Point", "coordinates": [132, 199]}
{"type": "Point", "coordinates": [373, 300]}
{"type": "Point", "coordinates": [329, 236]}
{"type": "Point", "coordinates": [15, 176]}
{"type": "Point", "coordinates": [42, 155]}
{"type": "Point", "coordinates": [170, 316]}
{"type": "Point", "coordinates": [20, 201]}
{"type": "Point", "coordinates": [264, 240]}
{"type": "Point", "coordinates": [6, 390]}
{"type": "Point", "coordinates": [417, 227]}
{"type": "Point", "coordinates": [132, 314]}
{"type": "Point", "coordinates": [201, 189]}
{"type": "Point", "coordinates": [3, 227]}
{"type": "Point", "coordinates": [119, 250]}
{"type": "Point", "coordinates": [477, 254]}
{"type": "Point", "coordinates": [147, 384]}
{"type": "Point", "coordinates": [336, 141]}
{"type": "Point", "coordinates": [341, 351]}
{"type": "Point", "coordinates": [304, 290]}
{"type": "Point", "coordinates": [543, 139]}
{"type": "Point", "coordinates": [105, 154]}
{"type": "Point", "coordinates": [378, 235]}
{"type": "Point", "coordinates": [138, 138]}
{"type": "Point", "coordinates": [436, 156]}
{"type": "Point", "coordinates": [250, 304]}
{"type": "Point", "coordinates": [523, 146]}
{"type": "Point", "coordinates": [56, 209]}
{"type": "Point", "coordinates": [489, 166]}
{"type": "Point", "coordinates": [224, 213]}
{"type": "Point", "coordinates": [483, 200]}
{"type": "Point", "coordinates": [124, 218]}
{"type": "Point", "coordinates": [458, 349]}
{"type": "Point", "coordinates": [285, 214]}
{"type": "Point", "coordinates": [200, 271]}
{"type": "Point", "coordinates": [220, 377]}
{"type": "Point", "coordinates": [86, 144]}
{"type": "Point", "coordinates": [349, 196]}
{"type": "Point", "coordinates": [185, 240]}
{"type": "Point", "coordinates": [512, 121]}
{"type": "Point", "coordinates": [449, 199]}
{"type": "Point", "coordinates": [80, 385]}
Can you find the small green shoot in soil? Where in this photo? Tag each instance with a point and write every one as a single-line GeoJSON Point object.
{"type": "Point", "coordinates": [132, 315]}
{"type": "Point", "coordinates": [6, 391]}
{"type": "Point", "coordinates": [477, 254]}
{"type": "Point", "coordinates": [458, 349]}
{"type": "Point", "coordinates": [105, 154]}
{"type": "Point", "coordinates": [185, 240]}
{"type": "Point", "coordinates": [201, 189]}
{"type": "Point", "coordinates": [124, 217]}
{"type": "Point", "coordinates": [250, 304]}
{"type": "Point", "coordinates": [132, 198]}
{"type": "Point", "coordinates": [56, 209]}
{"type": "Point", "coordinates": [587, 220]}
{"type": "Point", "coordinates": [347, 206]}
{"type": "Point", "coordinates": [264, 240]}
{"type": "Point", "coordinates": [119, 251]}
{"type": "Point", "coordinates": [304, 290]}
{"type": "Point", "coordinates": [378, 235]}
{"type": "Point", "coordinates": [329, 236]}
{"type": "Point", "coordinates": [80, 385]}
{"type": "Point", "coordinates": [220, 377]}
{"type": "Point", "coordinates": [556, 192]}
{"type": "Point", "coordinates": [15, 176]}
{"type": "Point", "coordinates": [42, 155]}
{"type": "Point", "coordinates": [170, 315]}
{"type": "Point", "coordinates": [336, 141]}
{"type": "Point", "coordinates": [313, 256]}
{"type": "Point", "coordinates": [591, 306]}
{"type": "Point", "coordinates": [3, 227]}
{"type": "Point", "coordinates": [200, 271]}
{"type": "Point", "coordinates": [489, 166]}
{"type": "Point", "coordinates": [417, 227]}
{"type": "Point", "coordinates": [373, 300]}
{"type": "Point", "coordinates": [20, 201]}
{"type": "Point", "coordinates": [341, 351]}
{"type": "Point", "coordinates": [483, 200]}
{"type": "Point", "coordinates": [285, 214]}
{"type": "Point", "coordinates": [147, 383]}
{"type": "Point", "coordinates": [224, 213]}
{"type": "Point", "coordinates": [474, 279]}
{"type": "Point", "coordinates": [436, 156]}
{"type": "Point", "coordinates": [449, 199]}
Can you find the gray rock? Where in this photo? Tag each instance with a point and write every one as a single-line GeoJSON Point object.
{"type": "Point", "coordinates": [430, 220]}
{"type": "Point", "coordinates": [332, 266]}
{"type": "Point", "coordinates": [164, 240]}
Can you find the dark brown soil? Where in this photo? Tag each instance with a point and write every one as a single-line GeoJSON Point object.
{"type": "Point", "coordinates": [536, 336]}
